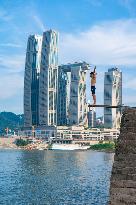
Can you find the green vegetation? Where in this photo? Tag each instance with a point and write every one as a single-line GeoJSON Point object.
{"type": "Point", "coordinates": [21, 142]}
{"type": "Point", "coordinates": [10, 120]}
{"type": "Point", "coordinates": [103, 146]}
{"type": "Point", "coordinates": [49, 146]}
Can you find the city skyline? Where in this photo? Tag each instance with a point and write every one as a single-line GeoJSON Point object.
{"type": "Point", "coordinates": [104, 35]}
{"type": "Point", "coordinates": [53, 95]}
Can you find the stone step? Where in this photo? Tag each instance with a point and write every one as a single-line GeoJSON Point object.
{"type": "Point", "coordinates": [125, 149]}
{"type": "Point", "coordinates": [128, 129]}
{"type": "Point", "coordinates": [124, 171]}
{"type": "Point", "coordinates": [128, 136]}
{"type": "Point", "coordinates": [118, 174]}
{"type": "Point", "coordinates": [124, 196]}
{"type": "Point", "coordinates": [125, 163]}
{"type": "Point", "coordinates": [123, 184]}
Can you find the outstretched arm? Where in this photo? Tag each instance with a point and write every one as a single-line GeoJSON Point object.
{"type": "Point", "coordinates": [94, 69]}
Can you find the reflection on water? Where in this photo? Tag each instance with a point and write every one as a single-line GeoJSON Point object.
{"type": "Point", "coordinates": [54, 177]}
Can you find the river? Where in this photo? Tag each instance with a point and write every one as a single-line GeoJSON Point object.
{"type": "Point", "coordinates": [54, 177]}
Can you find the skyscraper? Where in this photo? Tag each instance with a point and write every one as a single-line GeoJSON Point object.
{"type": "Point", "coordinates": [31, 80]}
{"type": "Point", "coordinates": [48, 79]}
{"type": "Point", "coordinates": [112, 96]}
{"type": "Point", "coordinates": [72, 104]}
{"type": "Point", "coordinates": [64, 82]}
{"type": "Point", "coordinates": [91, 118]}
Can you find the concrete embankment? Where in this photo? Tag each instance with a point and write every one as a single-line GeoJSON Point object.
{"type": "Point", "coordinates": [123, 178]}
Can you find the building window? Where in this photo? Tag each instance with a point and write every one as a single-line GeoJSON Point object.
{"type": "Point", "coordinates": [109, 78]}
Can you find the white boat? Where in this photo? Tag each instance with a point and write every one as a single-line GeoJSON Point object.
{"type": "Point", "coordinates": [68, 147]}
{"type": "Point", "coordinates": [40, 149]}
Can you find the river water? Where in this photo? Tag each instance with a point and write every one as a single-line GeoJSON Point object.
{"type": "Point", "coordinates": [54, 177]}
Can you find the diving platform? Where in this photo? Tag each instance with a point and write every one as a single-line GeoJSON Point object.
{"type": "Point", "coordinates": [105, 106]}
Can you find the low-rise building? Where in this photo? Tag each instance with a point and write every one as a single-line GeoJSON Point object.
{"type": "Point", "coordinates": [39, 132]}
{"type": "Point", "coordinates": [66, 134]}
{"type": "Point", "coordinates": [78, 133]}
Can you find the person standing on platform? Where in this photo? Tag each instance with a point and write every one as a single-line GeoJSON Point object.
{"type": "Point", "coordinates": [93, 82]}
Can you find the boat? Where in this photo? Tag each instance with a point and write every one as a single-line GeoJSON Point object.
{"type": "Point", "coordinates": [40, 149]}
{"type": "Point", "coordinates": [69, 147]}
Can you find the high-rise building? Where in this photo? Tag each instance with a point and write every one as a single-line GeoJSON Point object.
{"type": "Point", "coordinates": [48, 79]}
{"type": "Point", "coordinates": [112, 96]}
{"type": "Point", "coordinates": [31, 80]}
{"type": "Point", "coordinates": [64, 82]}
{"type": "Point", "coordinates": [72, 106]}
{"type": "Point", "coordinates": [78, 105]}
{"type": "Point", "coordinates": [91, 118]}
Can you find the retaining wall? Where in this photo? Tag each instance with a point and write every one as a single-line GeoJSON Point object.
{"type": "Point", "coordinates": [123, 178]}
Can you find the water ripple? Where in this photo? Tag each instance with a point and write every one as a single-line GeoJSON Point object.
{"type": "Point", "coordinates": [54, 177]}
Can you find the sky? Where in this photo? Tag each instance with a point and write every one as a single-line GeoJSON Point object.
{"type": "Point", "coordinates": [100, 32]}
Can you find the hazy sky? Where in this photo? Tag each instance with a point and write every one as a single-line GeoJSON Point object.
{"type": "Point", "coordinates": [100, 32]}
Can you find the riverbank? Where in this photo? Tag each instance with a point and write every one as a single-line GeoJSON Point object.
{"type": "Point", "coordinates": [21, 143]}
{"type": "Point", "coordinates": [10, 143]}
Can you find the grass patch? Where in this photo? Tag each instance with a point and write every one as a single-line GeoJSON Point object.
{"type": "Point", "coordinates": [103, 146]}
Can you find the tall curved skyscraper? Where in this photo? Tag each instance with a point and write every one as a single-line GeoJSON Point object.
{"type": "Point", "coordinates": [72, 106]}
{"type": "Point", "coordinates": [112, 96]}
{"type": "Point", "coordinates": [31, 80]}
{"type": "Point", "coordinates": [48, 79]}
{"type": "Point", "coordinates": [40, 81]}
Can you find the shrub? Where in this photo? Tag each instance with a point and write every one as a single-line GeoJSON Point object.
{"type": "Point", "coordinates": [21, 142]}
{"type": "Point", "coordinates": [104, 146]}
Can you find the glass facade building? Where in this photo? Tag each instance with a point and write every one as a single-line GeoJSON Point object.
{"type": "Point", "coordinates": [91, 118]}
{"type": "Point", "coordinates": [52, 95]}
{"type": "Point", "coordinates": [31, 80]}
{"type": "Point", "coordinates": [64, 82]}
{"type": "Point", "coordinates": [112, 96]}
{"type": "Point", "coordinates": [72, 106]}
{"type": "Point", "coordinates": [48, 79]}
